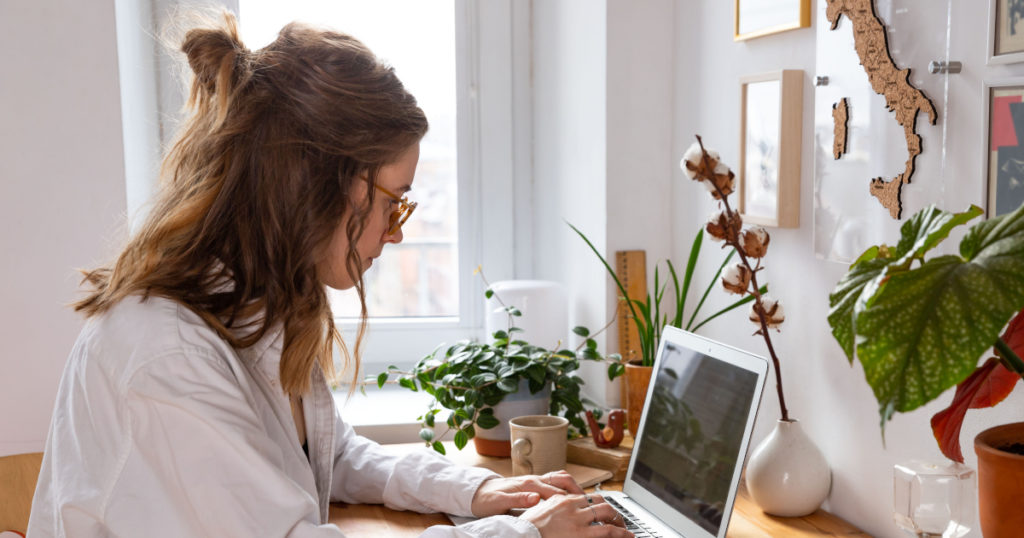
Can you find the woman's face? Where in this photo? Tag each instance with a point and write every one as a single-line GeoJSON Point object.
{"type": "Point", "coordinates": [396, 178]}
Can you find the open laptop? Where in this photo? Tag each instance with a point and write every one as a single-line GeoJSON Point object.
{"type": "Point", "coordinates": [692, 439]}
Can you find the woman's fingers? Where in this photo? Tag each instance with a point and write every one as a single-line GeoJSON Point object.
{"type": "Point", "coordinates": [599, 512]}
{"type": "Point", "coordinates": [562, 480]}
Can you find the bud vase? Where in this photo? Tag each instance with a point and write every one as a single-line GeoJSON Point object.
{"type": "Point", "coordinates": [787, 475]}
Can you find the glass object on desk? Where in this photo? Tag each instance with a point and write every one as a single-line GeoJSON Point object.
{"type": "Point", "coordinates": [933, 498]}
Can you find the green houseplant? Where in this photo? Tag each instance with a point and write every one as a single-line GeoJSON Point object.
{"type": "Point", "coordinates": [470, 378]}
{"type": "Point", "coordinates": [919, 326]}
{"type": "Point", "coordinates": [649, 320]}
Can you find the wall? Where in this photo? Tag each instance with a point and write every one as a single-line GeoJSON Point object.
{"type": "Point", "coordinates": [831, 399]}
{"type": "Point", "coordinates": [62, 194]}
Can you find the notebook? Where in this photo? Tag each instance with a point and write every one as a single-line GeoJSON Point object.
{"type": "Point", "coordinates": [692, 439]}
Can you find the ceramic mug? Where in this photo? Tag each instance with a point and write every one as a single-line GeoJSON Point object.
{"type": "Point", "coordinates": [538, 443]}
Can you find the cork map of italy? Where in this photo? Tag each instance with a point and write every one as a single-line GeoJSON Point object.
{"type": "Point", "coordinates": [889, 81]}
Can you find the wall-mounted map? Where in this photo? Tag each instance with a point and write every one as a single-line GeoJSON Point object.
{"type": "Point", "coordinates": [881, 99]}
{"type": "Point", "coordinates": [841, 119]}
{"type": "Point", "coordinates": [889, 81]}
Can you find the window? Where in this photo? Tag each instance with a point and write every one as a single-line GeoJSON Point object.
{"type": "Point", "coordinates": [419, 277]}
{"type": "Point", "coordinates": [423, 292]}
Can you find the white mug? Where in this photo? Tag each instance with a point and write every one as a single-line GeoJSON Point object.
{"type": "Point", "coordinates": [538, 443]}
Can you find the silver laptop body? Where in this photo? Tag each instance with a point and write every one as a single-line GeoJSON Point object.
{"type": "Point", "coordinates": [692, 440]}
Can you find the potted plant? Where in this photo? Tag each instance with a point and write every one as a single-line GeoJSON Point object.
{"type": "Point", "coordinates": [471, 378]}
{"type": "Point", "coordinates": [649, 319]}
{"type": "Point", "coordinates": [919, 327]}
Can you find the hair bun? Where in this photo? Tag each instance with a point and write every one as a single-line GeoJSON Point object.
{"type": "Point", "coordinates": [216, 55]}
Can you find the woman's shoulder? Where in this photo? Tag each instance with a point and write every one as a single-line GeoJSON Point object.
{"type": "Point", "coordinates": [137, 331]}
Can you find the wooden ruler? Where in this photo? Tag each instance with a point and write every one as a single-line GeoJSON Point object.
{"type": "Point", "coordinates": [631, 268]}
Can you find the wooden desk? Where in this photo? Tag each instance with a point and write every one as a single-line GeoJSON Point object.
{"type": "Point", "coordinates": [747, 519]}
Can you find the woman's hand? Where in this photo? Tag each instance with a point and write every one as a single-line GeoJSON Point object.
{"type": "Point", "coordinates": [499, 495]}
{"type": "Point", "coordinates": [576, 515]}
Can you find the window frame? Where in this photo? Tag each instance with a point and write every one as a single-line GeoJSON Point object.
{"type": "Point", "coordinates": [492, 136]}
{"type": "Point", "coordinates": [494, 139]}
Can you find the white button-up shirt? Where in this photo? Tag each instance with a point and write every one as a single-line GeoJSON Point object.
{"type": "Point", "coordinates": [161, 428]}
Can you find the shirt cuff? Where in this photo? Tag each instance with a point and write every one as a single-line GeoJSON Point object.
{"type": "Point", "coordinates": [501, 526]}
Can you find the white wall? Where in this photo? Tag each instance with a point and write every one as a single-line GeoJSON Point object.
{"type": "Point", "coordinates": [62, 194]}
{"type": "Point", "coordinates": [569, 155]}
{"type": "Point", "coordinates": [830, 398]}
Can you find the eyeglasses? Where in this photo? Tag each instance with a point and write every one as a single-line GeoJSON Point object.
{"type": "Point", "coordinates": [401, 213]}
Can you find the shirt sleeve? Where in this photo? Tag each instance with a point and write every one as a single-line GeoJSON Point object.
{"type": "Point", "coordinates": [421, 481]}
{"type": "Point", "coordinates": [198, 461]}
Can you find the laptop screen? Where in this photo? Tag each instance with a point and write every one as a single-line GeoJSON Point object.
{"type": "Point", "coordinates": [693, 430]}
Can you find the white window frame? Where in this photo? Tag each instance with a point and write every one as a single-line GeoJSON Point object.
{"type": "Point", "coordinates": [493, 126]}
{"type": "Point", "coordinates": [494, 161]}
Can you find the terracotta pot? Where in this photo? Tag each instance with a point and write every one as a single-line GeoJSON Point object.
{"type": "Point", "coordinates": [1000, 481]}
{"type": "Point", "coordinates": [497, 440]}
{"type": "Point", "coordinates": [637, 380]}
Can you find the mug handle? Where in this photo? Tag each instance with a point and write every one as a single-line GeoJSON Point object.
{"type": "Point", "coordinates": [520, 449]}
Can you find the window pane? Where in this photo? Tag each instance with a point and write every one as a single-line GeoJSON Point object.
{"type": "Point", "coordinates": [418, 277]}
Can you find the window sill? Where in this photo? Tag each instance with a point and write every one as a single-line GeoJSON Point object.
{"type": "Point", "coordinates": [386, 415]}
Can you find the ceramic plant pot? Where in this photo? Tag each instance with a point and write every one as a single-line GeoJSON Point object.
{"type": "Point", "coordinates": [496, 441]}
{"type": "Point", "coordinates": [787, 475]}
{"type": "Point", "coordinates": [638, 378]}
{"type": "Point", "coordinates": [1000, 480]}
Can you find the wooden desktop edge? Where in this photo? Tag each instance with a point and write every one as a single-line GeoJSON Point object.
{"type": "Point", "coordinates": [747, 519]}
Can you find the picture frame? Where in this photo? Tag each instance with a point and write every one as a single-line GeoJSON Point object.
{"type": "Point", "coordinates": [1005, 38]}
{"type": "Point", "coordinates": [757, 18]}
{"type": "Point", "coordinates": [1003, 148]}
{"type": "Point", "coordinates": [771, 110]}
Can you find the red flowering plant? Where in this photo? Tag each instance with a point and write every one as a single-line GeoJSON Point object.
{"type": "Point", "coordinates": [919, 326]}
{"type": "Point", "coordinates": [750, 244]}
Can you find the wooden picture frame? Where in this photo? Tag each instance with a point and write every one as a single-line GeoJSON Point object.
{"type": "Point", "coordinates": [771, 111]}
{"type": "Point", "coordinates": [756, 18]}
{"type": "Point", "coordinates": [1003, 148]}
{"type": "Point", "coordinates": [1005, 42]}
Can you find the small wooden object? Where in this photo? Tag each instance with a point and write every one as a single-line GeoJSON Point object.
{"type": "Point", "coordinates": [631, 270]}
{"type": "Point", "coordinates": [841, 119]}
{"type": "Point", "coordinates": [584, 452]}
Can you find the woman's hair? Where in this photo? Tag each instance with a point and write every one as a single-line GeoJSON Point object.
{"type": "Point", "coordinates": [257, 182]}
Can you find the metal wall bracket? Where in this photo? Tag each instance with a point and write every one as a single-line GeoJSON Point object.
{"type": "Point", "coordinates": [942, 68]}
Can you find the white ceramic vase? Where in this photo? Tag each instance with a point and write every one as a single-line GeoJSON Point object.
{"type": "Point", "coordinates": [786, 474]}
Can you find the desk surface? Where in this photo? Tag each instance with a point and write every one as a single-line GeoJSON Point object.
{"type": "Point", "coordinates": [747, 519]}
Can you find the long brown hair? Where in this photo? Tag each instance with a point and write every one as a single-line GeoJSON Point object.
{"type": "Point", "coordinates": [259, 177]}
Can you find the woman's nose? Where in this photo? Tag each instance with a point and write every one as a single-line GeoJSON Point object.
{"type": "Point", "coordinates": [395, 237]}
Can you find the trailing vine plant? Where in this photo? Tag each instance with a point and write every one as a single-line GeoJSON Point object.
{"type": "Point", "coordinates": [469, 378]}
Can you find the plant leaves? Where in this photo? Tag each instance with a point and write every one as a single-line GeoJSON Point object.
{"type": "Point", "coordinates": [438, 447]}
{"type": "Point", "coordinates": [487, 421]}
{"type": "Point", "coordinates": [508, 384]}
{"type": "Point", "coordinates": [381, 379]}
{"type": "Point", "coordinates": [461, 439]}
{"type": "Point", "coordinates": [427, 434]}
{"type": "Point", "coordinates": [581, 331]}
{"type": "Point", "coordinates": [844, 298]}
{"type": "Point", "coordinates": [920, 331]}
{"type": "Point", "coordinates": [990, 384]}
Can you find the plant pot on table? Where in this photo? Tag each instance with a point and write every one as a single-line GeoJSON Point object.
{"type": "Point", "coordinates": [496, 441]}
{"type": "Point", "coordinates": [638, 379]}
{"type": "Point", "coordinates": [1001, 480]}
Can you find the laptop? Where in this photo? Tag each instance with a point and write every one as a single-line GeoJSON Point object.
{"type": "Point", "coordinates": [692, 440]}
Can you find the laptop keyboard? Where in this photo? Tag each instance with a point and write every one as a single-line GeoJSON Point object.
{"type": "Point", "coordinates": [633, 524]}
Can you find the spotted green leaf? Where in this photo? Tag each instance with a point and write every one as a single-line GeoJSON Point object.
{"type": "Point", "coordinates": [921, 330]}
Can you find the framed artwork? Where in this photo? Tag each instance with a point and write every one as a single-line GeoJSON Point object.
{"type": "Point", "coordinates": [756, 18]}
{"type": "Point", "coordinates": [1004, 145]}
{"type": "Point", "coordinates": [1006, 31]}
{"type": "Point", "coordinates": [770, 136]}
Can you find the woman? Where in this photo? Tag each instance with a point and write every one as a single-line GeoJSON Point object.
{"type": "Point", "coordinates": [195, 401]}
